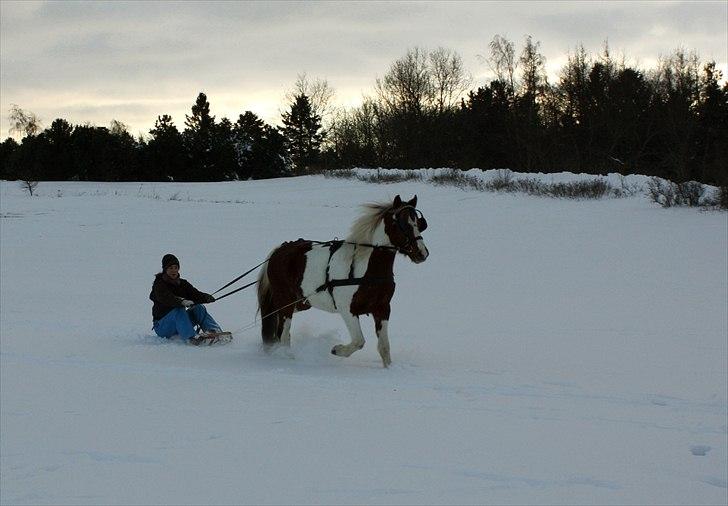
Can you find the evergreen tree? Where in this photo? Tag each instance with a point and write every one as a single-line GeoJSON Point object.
{"type": "Point", "coordinates": [99, 155]}
{"type": "Point", "coordinates": [198, 137]}
{"type": "Point", "coordinates": [8, 154]}
{"type": "Point", "coordinates": [59, 140]}
{"type": "Point", "coordinates": [223, 151]}
{"type": "Point", "coordinates": [301, 129]}
{"type": "Point", "coordinates": [711, 147]}
{"type": "Point", "coordinates": [123, 153]}
{"type": "Point", "coordinates": [260, 149]}
{"type": "Point", "coordinates": [165, 157]}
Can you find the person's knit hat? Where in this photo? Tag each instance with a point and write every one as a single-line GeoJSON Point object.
{"type": "Point", "coordinates": [169, 259]}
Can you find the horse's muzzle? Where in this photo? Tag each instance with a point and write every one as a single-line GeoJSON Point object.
{"type": "Point", "coordinates": [419, 253]}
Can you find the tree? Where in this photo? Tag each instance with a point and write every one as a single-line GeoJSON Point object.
{"type": "Point", "coordinates": [677, 84]}
{"type": "Point", "coordinates": [711, 147]}
{"type": "Point", "coordinates": [260, 149]}
{"type": "Point", "coordinates": [223, 151]}
{"type": "Point", "coordinates": [8, 154]}
{"type": "Point", "coordinates": [503, 61]}
{"type": "Point", "coordinates": [247, 134]}
{"type": "Point", "coordinates": [449, 77]}
{"type": "Point", "coordinates": [29, 186]}
{"type": "Point", "coordinates": [318, 91]}
{"type": "Point", "coordinates": [530, 134]}
{"type": "Point", "coordinates": [407, 87]}
{"type": "Point", "coordinates": [301, 129]}
{"type": "Point", "coordinates": [23, 123]}
{"type": "Point", "coordinates": [123, 153]}
{"type": "Point", "coordinates": [198, 138]}
{"type": "Point", "coordinates": [165, 156]}
{"type": "Point", "coordinates": [58, 136]}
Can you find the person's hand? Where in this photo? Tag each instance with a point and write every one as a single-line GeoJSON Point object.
{"type": "Point", "coordinates": [187, 303]}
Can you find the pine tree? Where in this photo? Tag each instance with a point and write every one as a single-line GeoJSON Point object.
{"type": "Point", "coordinates": [59, 139]}
{"type": "Point", "coordinates": [711, 147]}
{"type": "Point", "coordinates": [301, 129]}
{"type": "Point", "coordinates": [165, 157]}
{"type": "Point", "coordinates": [198, 137]}
{"type": "Point", "coordinates": [259, 148]}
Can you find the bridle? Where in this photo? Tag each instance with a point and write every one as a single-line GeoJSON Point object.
{"type": "Point", "coordinates": [411, 243]}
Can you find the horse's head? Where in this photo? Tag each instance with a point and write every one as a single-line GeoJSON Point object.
{"type": "Point", "coordinates": [404, 225]}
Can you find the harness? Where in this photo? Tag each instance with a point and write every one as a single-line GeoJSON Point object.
{"type": "Point", "coordinates": [330, 284]}
{"type": "Point", "coordinates": [334, 246]}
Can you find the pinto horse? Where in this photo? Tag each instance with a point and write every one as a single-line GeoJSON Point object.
{"type": "Point", "coordinates": [352, 277]}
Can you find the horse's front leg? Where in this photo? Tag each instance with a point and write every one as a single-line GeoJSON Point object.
{"type": "Point", "coordinates": [285, 336]}
{"type": "Point", "coordinates": [357, 337]}
{"type": "Point", "coordinates": [381, 323]}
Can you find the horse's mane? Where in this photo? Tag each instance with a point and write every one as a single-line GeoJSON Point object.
{"type": "Point", "coordinates": [363, 228]}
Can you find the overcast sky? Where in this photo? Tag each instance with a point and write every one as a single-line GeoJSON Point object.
{"type": "Point", "coordinates": [132, 61]}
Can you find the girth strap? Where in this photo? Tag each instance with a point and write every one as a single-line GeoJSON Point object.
{"type": "Point", "coordinates": [330, 284]}
{"type": "Point", "coordinates": [333, 283]}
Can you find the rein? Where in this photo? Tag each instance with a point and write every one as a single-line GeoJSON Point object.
{"type": "Point", "coordinates": [333, 244]}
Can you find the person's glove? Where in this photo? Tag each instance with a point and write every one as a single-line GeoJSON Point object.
{"type": "Point", "coordinates": [209, 299]}
{"type": "Point", "coordinates": [187, 303]}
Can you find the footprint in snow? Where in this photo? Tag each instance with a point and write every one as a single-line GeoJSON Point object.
{"type": "Point", "coordinates": [700, 450]}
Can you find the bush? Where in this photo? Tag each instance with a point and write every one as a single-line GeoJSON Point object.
{"type": "Point", "coordinates": [454, 177]}
{"type": "Point", "coordinates": [386, 177]}
{"type": "Point", "coordinates": [668, 194]}
{"type": "Point", "coordinates": [723, 197]}
{"type": "Point", "coordinates": [594, 189]}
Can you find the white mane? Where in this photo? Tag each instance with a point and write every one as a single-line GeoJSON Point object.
{"type": "Point", "coordinates": [363, 228]}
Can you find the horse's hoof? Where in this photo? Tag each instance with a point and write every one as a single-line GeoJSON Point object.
{"type": "Point", "coordinates": [333, 351]}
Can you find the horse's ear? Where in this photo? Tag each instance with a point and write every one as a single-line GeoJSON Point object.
{"type": "Point", "coordinates": [413, 202]}
{"type": "Point", "coordinates": [397, 201]}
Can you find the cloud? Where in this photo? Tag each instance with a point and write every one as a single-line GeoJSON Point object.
{"type": "Point", "coordinates": [124, 60]}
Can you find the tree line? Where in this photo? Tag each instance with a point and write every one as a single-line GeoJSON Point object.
{"type": "Point", "coordinates": [206, 150]}
{"type": "Point", "coordinates": [602, 115]}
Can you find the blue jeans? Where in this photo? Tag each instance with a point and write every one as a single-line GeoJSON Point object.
{"type": "Point", "coordinates": [182, 321]}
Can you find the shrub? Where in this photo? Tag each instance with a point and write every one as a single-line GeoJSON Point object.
{"type": "Point", "coordinates": [385, 177]}
{"type": "Point", "coordinates": [668, 194]}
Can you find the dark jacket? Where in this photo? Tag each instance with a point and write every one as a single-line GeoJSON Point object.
{"type": "Point", "coordinates": [168, 294]}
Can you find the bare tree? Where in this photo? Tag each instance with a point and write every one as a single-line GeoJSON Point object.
{"type": "Point", "coordinates": [503, 61]}
{"type": "Point", "coordinates": [118, 128]}
{"type": "Point", "coordinates": [23, 123]}
{"type": "Point", "coordinates": [29, 186]}
{"type": "Point", "coordinates": [533, 63]}
{"type": "Point", "coordinates": [450, 79]}
{"type": "Point", "coordinates": [318, 91]}
{"type": "Point", "coordinates": [407, 86]}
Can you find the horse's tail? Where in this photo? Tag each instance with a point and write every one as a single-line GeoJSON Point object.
{"type": "Point", "coordinates": [269, 324]}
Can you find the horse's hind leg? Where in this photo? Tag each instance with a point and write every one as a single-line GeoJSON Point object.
{"type": "Point", "coordinates": [357, 338]}
{"type": "Point", "coordinates": [380, 325]}
{"type": "Point", "coordinates": [285, 336]}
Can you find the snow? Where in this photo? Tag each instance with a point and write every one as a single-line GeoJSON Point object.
{"type": "Point", "coordinates": [548, 351]}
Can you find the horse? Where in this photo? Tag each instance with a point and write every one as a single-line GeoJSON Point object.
{"type": "Point", "coordinates": [351, 277]}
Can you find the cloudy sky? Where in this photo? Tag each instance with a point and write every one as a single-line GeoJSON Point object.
{"type": "Point", "coordinates": [132, 61]}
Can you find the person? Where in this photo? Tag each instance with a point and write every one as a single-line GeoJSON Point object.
{"type": "Point", "coordinates": [178, 306]}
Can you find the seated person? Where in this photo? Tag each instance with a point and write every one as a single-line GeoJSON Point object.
{"type": "Point", "coordinates": [178, 306]}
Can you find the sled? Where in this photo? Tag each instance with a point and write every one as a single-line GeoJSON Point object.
{"type": "Point", "coordinates": [210, 338]}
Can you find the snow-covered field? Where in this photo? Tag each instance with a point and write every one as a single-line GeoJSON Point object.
{"type": "Point", "coordinates": [548, 351]}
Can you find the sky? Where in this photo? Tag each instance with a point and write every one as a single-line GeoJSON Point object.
{"type": "Point", "coordinates": [94, 62]}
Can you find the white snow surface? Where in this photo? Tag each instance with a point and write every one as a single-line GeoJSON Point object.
{"type": "Point", "coordinates": [548, 352]}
